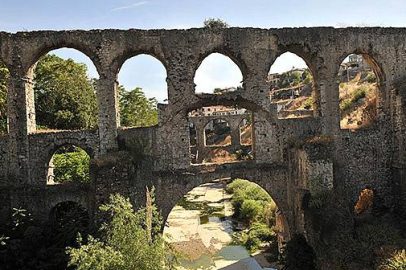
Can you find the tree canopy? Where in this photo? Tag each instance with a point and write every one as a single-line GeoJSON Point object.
{"type": "Point", "coordinates": [136, 110]}
{"type": "Point", "coordinates": [129, 240]}
{"type": "Point", "coordinates": [64, 95]}
{"type": "Point", "coordinates": [215, 23]}
{"type": "Point", "coordinates": [71, 164]}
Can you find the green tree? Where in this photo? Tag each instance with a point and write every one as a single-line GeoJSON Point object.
{"type": "Point", "coordinates": [215, 23]}
{"type": "Point", "coordinates": [4, 77]}
{"type": "Point", "coordinates": [71, 164]}
{"type": "Point", "coordinates": [136, 110]}
{"type": "Point", "coordinates": [125, 242]}
{"type": "Point", "coordinates": [64, 95]}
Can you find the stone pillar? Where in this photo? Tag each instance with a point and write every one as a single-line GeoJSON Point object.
{"type": "Point", "coordinates": [21, 116]}
{"type": "Point", "coordinates": [173, 128]}
{"type": "Point", "coordinates": [235, 134]}
{"type": "Point", "coordinates": [107, 96]}
{"type": "Point", "coordinates": [200, 141]}
{"type": "Point", "coordinates": [329, 103]}
{"type": "Point", "coordinates": [266, 142]}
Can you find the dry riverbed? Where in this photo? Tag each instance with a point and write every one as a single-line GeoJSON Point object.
{"type": "Point", "coordinates": [200, 228]}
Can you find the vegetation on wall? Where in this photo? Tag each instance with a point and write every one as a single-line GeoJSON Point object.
{"type": "Point", "coordinates": [215, 23]}
{"type": "Point", "coordinates": [4, 77]}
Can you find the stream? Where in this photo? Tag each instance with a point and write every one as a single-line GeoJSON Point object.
{"type": "Point", "coordinates": [200, 227]}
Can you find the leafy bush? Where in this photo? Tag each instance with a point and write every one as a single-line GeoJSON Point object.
{"type": "Point", "coordinates": [71, 165]}
{"type": "Point", "coordinates": [258, 233]}
{"type": "Point", "coordinates": [359, 94]}
{"type": "Point", "coordinates": [244, 190]}
{"type": "Point", "coordinates": [396, 262]}
{"type": "Point", "coordinates": [215, 23]}
{"type": "Point", "coordinates": [371, 78]}
{"type": "Point", "coordinates": [250, 210]}
{"type": "Point", "coordinates": [261, 231]}
{"type": "Point", "coordinates": [345, 105]}
{"type": "Point", "coordinates": [308, 104]}
{"type": "Point", "coordinates": [252, 244]}
{"type": "Point", "coordinates": [253, 205]}
{"type": "Point", "coordinates": [129, 240]}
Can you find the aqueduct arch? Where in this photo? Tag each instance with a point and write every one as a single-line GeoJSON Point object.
{"type": "Point", "coordinates": [292, 156]}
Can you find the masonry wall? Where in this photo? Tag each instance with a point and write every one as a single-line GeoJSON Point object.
{"type": "Point", "coordinates": [128, 160]}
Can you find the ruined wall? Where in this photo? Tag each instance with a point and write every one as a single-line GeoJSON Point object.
{"type": "Point", "coordinates": [127, 160]}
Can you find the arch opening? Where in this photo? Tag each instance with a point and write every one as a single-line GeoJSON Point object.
{"type": "Point", "coordinates": [246, 134]}
{"type": "Point", "coordinates": [143, 86]}
{"type": "Point", "coordinates": [64, 94]}
{"type": "Point", "coordinates": [217, 132]}
{"type": "Point", "coordinates": [217, 135]}
{"type": "Point", "coordinates": [291, 87]}
{"type": "Point", "coordinates": [69, 164]}
{"type": "Point", "coordinates": [218, 74]}
{"type": "Point", "coordinates": [227, 223]}
{"type": "Point", "coordinates": [358, 91]}
{"type": "Point", "coordinates": [67, 219]}
{"type": "Point", "coordinates": [365, 201]}
{"type": "Point", "coordinates": [4, 78]}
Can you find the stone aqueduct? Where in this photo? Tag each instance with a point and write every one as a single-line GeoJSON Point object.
{"type": "Point", "coordinates": [292, 157]}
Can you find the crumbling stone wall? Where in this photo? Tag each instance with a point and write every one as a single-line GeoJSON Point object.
{"type": "Point", "coordinates": [200, 123]}
{"type": "Point", "coordinates": [127, 160]}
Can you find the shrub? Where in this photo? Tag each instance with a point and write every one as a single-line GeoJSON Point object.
{"type": "Point", "coordinates": [215, 23]}
{"type": "Point", "coordinates": [253, 205]}
{"type": "Point", "coordinates": [345, 105]}
{"type": "Point", "coordinates": [308, 104]}
{"type": "Point", "coordinates": [243, 190]}
{"type": "Point", "coordinates": [359, 94]}
{"type": "Point", "coordinates": [396, 262]}
{"type": "Point", "coordinates": [261, 231]}
{"type": "Point", "coordinates": [371, 78]}
{"type": "Point", "coordinates": [257, 234]}
{"type": "Point", "coordinates": [268, 213]}
{"type": "Point", "coordinates": [252, 244]}
{"type": "Point", "coordinates": [250, 210]}
{"type": "Point", "coordinates": [129, 240]}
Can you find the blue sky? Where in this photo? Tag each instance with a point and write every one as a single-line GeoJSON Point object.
{"type": "Point", "coordinates": [22, 15]}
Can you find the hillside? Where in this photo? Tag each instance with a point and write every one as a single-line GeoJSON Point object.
{"type": "Point", "coordinates": [358, 101]}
